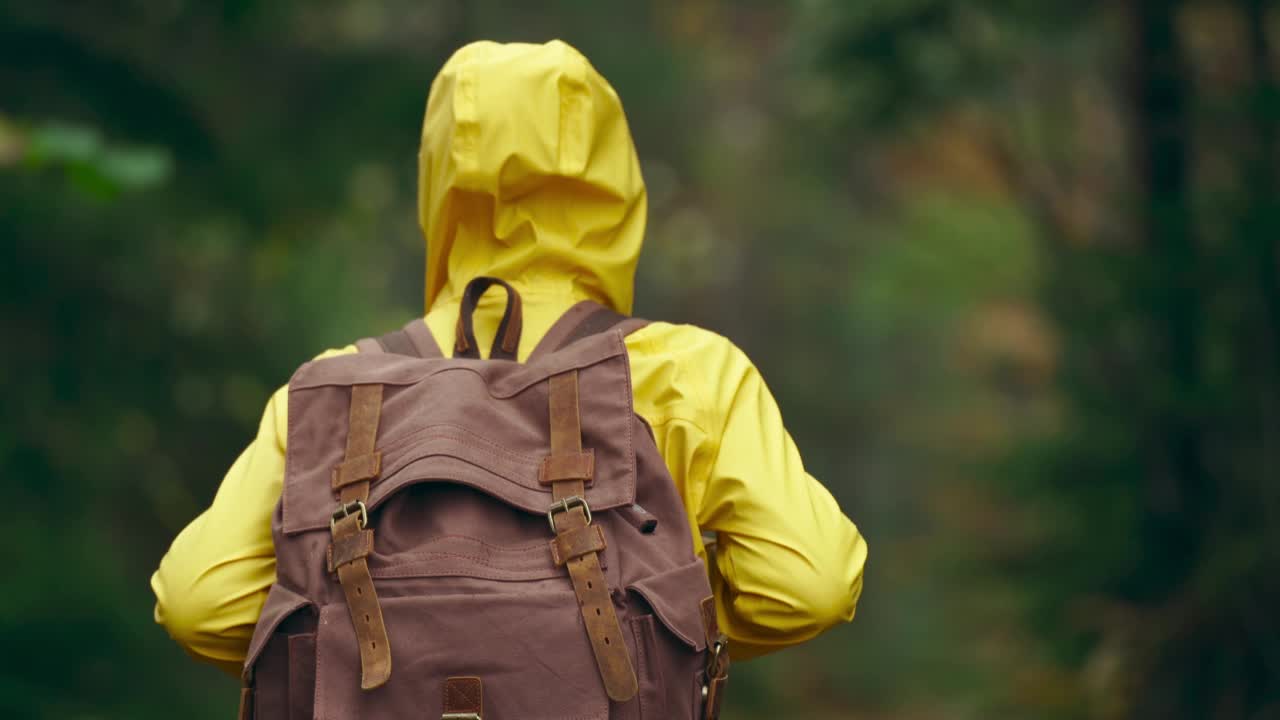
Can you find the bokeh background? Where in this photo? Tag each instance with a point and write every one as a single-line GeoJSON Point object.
{"type": "Point", "coordinates": [1008, 265]}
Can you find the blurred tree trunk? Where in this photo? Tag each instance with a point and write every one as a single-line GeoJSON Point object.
{"type": "Point", "coordinates": [1175, 502]}
{"type": "Point", "coordinates": [1178, 492]}
{"type": "Point", "coordinates": [1262, 219]}
{"type": "Point", "coordinates": [1201, 651]}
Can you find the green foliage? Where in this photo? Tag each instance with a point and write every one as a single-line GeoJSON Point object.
{"type": "Point", "coordinates": [93, 166]}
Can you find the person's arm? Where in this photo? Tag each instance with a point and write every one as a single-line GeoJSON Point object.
{"type": "Point", "coordinates": [788, 562]}
{"type": "Point", "coordinates": [212, 583]}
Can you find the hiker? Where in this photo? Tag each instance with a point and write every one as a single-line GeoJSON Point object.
{"type": "Point", "coordinates": [427, 511]}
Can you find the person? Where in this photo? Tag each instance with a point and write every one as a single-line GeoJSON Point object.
{"type": "Point", "coordinates": [528, 173]}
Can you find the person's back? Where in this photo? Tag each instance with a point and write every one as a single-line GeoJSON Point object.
{"type": "Point", "coordinates": [528, 174]}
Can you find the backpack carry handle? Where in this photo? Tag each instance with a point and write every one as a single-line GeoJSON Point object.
{"type": "Point", "coordinates": [507, 340]}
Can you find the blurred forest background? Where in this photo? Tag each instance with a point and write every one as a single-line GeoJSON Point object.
{"type": "Point", "coordinates": [1009, 266]}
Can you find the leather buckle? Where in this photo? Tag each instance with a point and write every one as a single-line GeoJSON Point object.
{"type": "Point", "coordinates": [563, 506]}
{"type": "Point", "coordinates": [345, 510]}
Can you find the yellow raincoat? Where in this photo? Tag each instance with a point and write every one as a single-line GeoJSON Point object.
{"type": "Point", "coordinates": [527, 172]}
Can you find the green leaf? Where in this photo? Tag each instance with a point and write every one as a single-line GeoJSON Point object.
{"type": "Point", "coordinates": [135, 167]}
{"type": "Point", "coordinates": [58, 142]}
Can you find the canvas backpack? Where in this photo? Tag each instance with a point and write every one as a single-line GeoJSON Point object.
{"type": "Point", "coordinates": [481, 539]}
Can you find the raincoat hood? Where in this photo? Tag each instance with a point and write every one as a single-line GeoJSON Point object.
{"type": "Point", "coordinates": [528, 172]}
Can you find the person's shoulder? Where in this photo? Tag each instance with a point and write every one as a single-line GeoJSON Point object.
{"type": "Point", "coordinates": [686, 343]}
{"type": "Point", "coordinates": [685, 372]}
{"type": "Point", "coordinates": [306, 366]}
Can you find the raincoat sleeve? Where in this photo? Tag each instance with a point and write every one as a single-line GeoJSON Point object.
{"type": "Point", "coordinates": [787, 562]}
{"type": "Point", "coordinates": [212, 583]}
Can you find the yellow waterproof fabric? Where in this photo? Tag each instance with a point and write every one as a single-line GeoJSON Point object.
{"type": "Point", "coordinates": [528, 173]}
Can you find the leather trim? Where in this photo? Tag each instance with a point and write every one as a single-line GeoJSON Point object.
{"type": "Point", "coordinates": [349, 549]}
{"type": "Point", "coordinates": [464, 695]}
{"type": "Point", "coordinates": [577, 542]}
{"type": "Point", "coordinates": [568, 466]}
{"type": "Point", "coordinates": [357, 469]}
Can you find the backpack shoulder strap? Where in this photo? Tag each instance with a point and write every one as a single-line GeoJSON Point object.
{"type": "Point", "coordinates": [584, 319]}
{"type": "Point", "coordinates": [414, 339]}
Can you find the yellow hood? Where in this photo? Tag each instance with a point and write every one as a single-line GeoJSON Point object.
{"type": "Point", "coordinates": [528, 173]}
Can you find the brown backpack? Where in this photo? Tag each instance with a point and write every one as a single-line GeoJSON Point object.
{"type": "Point", "coordinates": [473, 539]}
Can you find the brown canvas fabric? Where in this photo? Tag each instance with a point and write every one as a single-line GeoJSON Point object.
{"type": "Point", "coordinates": [474, 586]}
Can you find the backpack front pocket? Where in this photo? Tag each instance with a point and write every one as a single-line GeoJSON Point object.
{"type": "Point", "coordinates": [281, 656]}
{"type": "Point", "coordinates": [529, 650]}
{"type": "Point", "coordinates": [675, 646]}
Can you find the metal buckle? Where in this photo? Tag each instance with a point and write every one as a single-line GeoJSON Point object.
{"type": "Point", "coordinates": [714, 668]}
{"type": "Point", "coordinates": [345, 510]}
{"type": "Point", "coordinates": [461, 716]}
{"type": "Point", "coordinates": [563, 506]}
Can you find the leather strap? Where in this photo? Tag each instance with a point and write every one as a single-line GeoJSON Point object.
{"type": "Point", "coordinates": [710, 624]}
{"type": "Point", "coordinates": [423, 341]}
{"type": "Point", "coordinates": [717, 660]}
{"type": "Point", "coordinates": [352, 542]}
{"type": "Point", "coordinates": [246, 704]}
{"type": "Point", "coordinates": [585, 318]}
{"type": "Point", "coordinates": [579, 466]}
{"type": "Point", "coordinates": [463, 698]}
{"type": "Point", "coordinates": [361, 468]}
{"type": "Point", "coordinates": [414, 339]}
{"type": "Point", "coordinates": [349, 548]}
{"type": "Point", "coordinates": [714, 697]}
{"type": "Point", "coordinates": [563, 327]}
{"type": "Point", "coordinates": [569, 544]}
{"type": "Point", "coordinates": [397, 342]}
{"type": "Point", "coordinates": [588, 580]}
{"type": "Point", "coordinates": [597, 322]}
{"type": "Point", "coordinates": [507, 340]}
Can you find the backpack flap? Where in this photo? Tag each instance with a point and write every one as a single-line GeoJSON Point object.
{"type": "Point", "coordinates": [480, 424]}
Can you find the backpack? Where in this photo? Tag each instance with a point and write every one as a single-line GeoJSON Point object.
{"type": "Point", "coordinates": [481, 539]}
